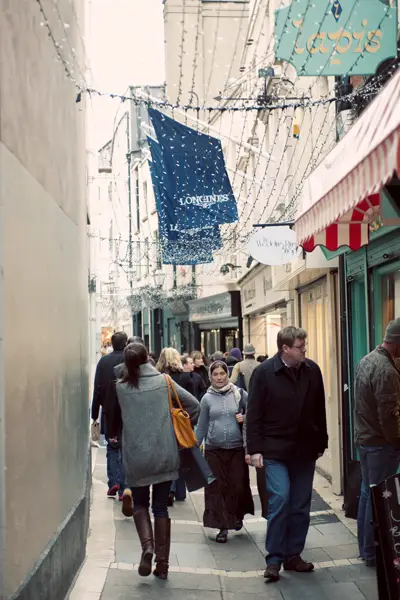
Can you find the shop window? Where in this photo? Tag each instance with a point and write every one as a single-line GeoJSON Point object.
{"type": "Point", "coordinates": [315, 320]}
{"type": "Point", "coordinates": [386, 298]}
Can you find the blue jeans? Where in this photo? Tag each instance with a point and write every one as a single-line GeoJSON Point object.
{"type": "Point", "coordinates": [159, 504]}
{"type": "Point", "coordinates": [115, 467]}
{"type": "Point", "coordinates": [178, 488]}
{"type": "Point", "coordinates": [377, 463]}
{"type": "Point", "coordinates": [289, 487]}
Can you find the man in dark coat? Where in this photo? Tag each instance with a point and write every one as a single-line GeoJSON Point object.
{"type": "Point", "coordinates": [103, 378]}
{"type": "Point", "coordinates": [377, 427]}
{"type": "Point", "coordinates": [286, 433]}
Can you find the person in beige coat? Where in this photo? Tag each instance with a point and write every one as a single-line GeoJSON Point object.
{"type": "Point", "coordinates": [245, 367]}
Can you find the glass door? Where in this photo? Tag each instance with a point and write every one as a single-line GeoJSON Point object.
{"type": "Point", "coordinates": [358, 334]}
{"type": "Point", "coordinates": [386, 298]}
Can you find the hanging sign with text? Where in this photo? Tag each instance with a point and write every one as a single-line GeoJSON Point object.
{"type": "Point", "coordinates": [274, 246]}
{"type": "Point", "coordinates": [336, 37]}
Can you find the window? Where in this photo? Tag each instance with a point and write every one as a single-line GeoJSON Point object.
{"type": "Point", "coordinates": [137, 201]}
{"type": "Point", "coordinates": [158, 251]}
{"type": "Point", "coordinates": [146, 257]}
{"type": "Point", "coordinates": [386, 298]}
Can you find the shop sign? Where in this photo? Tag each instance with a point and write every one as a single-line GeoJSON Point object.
{"type": "Point", "coordinates": [336, 37]}
{"type": "Point", "coordinates": [274, 245]}
{"type": "Point", "coordinates": [218, 307]}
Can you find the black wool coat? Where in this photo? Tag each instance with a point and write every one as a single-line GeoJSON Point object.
{"type": "Point", "coordinates": [104, 375]}
{"type": "Point", "coordinates": [286, 415]}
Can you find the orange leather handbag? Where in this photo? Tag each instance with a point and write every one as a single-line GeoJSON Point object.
{"type": "Point", "coordinates": [184, 433]}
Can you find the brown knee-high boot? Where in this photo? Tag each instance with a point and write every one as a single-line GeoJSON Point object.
{"type": "Point", "coordinates": [145, 533]}
{"type": "Point", "coordinates": [162, 531]}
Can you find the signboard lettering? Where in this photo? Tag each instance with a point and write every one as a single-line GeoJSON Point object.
{"type": "Point", "coordinates": [274, 245]}
{"type": "Point", "coordinates": [336, 38]}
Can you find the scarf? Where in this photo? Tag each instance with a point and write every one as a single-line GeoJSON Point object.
{"type": "Point", "coordinates": [229, 387]}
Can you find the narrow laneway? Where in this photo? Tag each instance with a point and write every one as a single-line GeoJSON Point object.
{"type": "Point", "coordinates": [202, 569]}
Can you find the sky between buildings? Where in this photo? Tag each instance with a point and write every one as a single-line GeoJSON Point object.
{"type": "Point", "coordinates": [125, 40]}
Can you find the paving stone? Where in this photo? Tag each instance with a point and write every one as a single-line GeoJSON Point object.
{"type": "Point", "coordinates": [342, 551]}
{"type": "Point", "coordinates": [153, 592]}
{"type": "Point", "coordinates": [333, 529]}
{"type": "Point", "coordinates": [194, 555]}
{"type": "Point", "coordinates": [330, 591]}
{"type": "Point", "coordinates": [257, 586]}
{"type": "Point", "coordinates": [369, 588]}
{"type": "Point", "coordinates": [239, 554]}
{"type": "Point", "coordinates": [317, 520]}
{"type": "Point", "coordinates": [317, 503]}
{"type": "Point", "coordinates": [315, 555]}
{"type": "Point", "coordinates": [183, 581]}
{"type": "Point", "coordinates": [353, 573]}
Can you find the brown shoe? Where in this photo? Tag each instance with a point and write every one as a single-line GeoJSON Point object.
{"type": "Point", "coordinates": [162, 531]}
{"type": "Point", "coordinates": [145, 533]}
{"type": "Point", "coordinates": [272, 572]}
{"type": "Point", "coordinates": [296, 563]}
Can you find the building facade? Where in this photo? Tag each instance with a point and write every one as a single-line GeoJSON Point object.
{"type": "Point", "coordinates": [44, 449]}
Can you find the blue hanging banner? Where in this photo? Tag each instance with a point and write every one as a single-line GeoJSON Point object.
{"type": "Point", "coordinates": [173, 230]}
{"type": "Point", "coordinates": [198, 192]}
{"type": "Point", "coordinates": [187, 247]}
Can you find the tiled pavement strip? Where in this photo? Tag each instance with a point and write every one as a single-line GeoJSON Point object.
{"type": "Point", "coordinates": [203, 570]}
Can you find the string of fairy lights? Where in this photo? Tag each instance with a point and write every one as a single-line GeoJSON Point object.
{"type": "Point", "coordinates": [281, 192]}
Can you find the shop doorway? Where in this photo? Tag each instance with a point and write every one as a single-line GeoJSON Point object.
{"type": "Point", "coordinates": [219, 339]}
{"type": "Point", "coordinates": [385, 287]}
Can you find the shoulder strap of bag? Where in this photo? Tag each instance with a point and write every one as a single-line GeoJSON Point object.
{"type": "Point", "coordinates": [172, 391]}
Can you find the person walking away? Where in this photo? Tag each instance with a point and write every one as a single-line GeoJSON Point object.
{"type": "Point", "coordinates": [150, 452]}
{"type": "Point", "coordinates": [231, 362]}
{"type": "Point", "coordinates": [188, 367]}
{"type": "Point", "coordinates": [244, 370]}
{"type": "Point", "coordinates": [201, 369]}
{"type": "Point", "coordinates": [222, 414]}
{"type": "Point", "coordinates": [287, 432]}
{"type": "Point", "coordinates": [171, 364]}
{"type": "Point", "coordinates": [377, 427]}
{"type": "Point", "coordinates": [104, 377]}
{"type": "Point", "coordinates": [237, 354]}
{"type": "Point", "coordinates": [262, 358]}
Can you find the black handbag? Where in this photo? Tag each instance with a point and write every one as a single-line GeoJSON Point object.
{"type": "Point", "coordinates": [194, 469]}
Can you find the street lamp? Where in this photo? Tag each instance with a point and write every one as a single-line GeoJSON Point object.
{"type": "Point", "coordinates": [159, 278]}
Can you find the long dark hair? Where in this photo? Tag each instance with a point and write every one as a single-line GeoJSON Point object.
{"type": "Point", "coordinates": [135, 355]}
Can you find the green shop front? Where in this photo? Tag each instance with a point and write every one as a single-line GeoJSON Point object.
{"type": "Point", "coordinates": [216, 323]}
{"type": "Point", "coordinates": [351, 206]}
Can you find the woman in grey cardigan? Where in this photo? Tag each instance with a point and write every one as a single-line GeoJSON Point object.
{"type": "Point", "coordinates": [150, 452]}
{"type": "Point", "coordinates": [222, 417]}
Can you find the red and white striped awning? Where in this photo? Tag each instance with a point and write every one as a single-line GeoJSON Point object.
{"type": "Point", "coordinates": [341, 197]}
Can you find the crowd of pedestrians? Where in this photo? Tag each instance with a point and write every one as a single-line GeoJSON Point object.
{"type": "Point", "coordinates": [246, 411]}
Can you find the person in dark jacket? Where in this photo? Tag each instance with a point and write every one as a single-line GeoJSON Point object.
{"type": "Point", "coordinates": [170, 363]}
{"type": "Point", "coordinates": [201, 369]}
{"type": "Point", "coordinates": [198, 383]}
{"type": "Point", "coordinates": [231, 361]}
{"type": "Point", "coordinates": [287, 432]}
{"type": "Point", "coordinates": [377, 427]}
{"type": "Point", "coordinates": [102, 381]}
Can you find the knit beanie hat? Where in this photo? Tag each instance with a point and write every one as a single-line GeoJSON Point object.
{"type": "Point", "coordinates": [392, 335]}
{"type": "Point", "coordinates": [236, 353]}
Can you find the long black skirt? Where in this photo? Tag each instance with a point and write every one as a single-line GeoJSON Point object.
{"type": "Point", "coordinates": [229, 498]}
